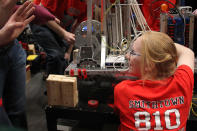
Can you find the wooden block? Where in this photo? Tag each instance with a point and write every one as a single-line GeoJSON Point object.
{"type": "Point", "coordinates": [62, 90]}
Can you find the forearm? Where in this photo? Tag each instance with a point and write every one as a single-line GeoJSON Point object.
{"type": "Point", "coordinates": [56, 28]}
{"type": "Point", "coordinates": [185, 56]}
{"type": "Point", "coordinates": [69, 37]}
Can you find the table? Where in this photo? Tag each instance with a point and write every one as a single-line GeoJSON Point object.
{"type": "Point", "coordinates": [82, 114]}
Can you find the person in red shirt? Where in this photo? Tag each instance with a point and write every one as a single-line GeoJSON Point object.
{"type": "Point", "coordinates": [56, 7]}
{"type": "Point", "coordinates": [161, 98]}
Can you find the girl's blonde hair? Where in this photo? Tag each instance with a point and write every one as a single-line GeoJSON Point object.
{"type": "Point", "coordinates": [159, 55]}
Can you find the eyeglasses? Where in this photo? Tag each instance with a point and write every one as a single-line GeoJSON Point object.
{"type": "Point", "coordinates": [132, 52]}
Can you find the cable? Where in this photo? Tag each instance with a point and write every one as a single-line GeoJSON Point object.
{"type": "Point", "coordinates": [192, 107]}
{"type": "Point", "coordinates": [126, 68]}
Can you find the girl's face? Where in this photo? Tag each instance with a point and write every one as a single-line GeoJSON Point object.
{"type": "Point", "coordinates": [134, 58]}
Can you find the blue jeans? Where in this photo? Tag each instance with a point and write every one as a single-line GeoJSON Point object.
{"type": "Point", "coordinates": [54, 46]}
{"type": "Point", "coordinates": [12, 86]}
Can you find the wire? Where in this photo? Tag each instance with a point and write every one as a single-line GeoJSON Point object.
{"type": "Point", "coordinates": [192, 107]}
{"type": "Point", "coordinates": [134, 10]}
{"type": "Point", "coordinates": [108, 9]}
{"type": "Point", "coordinates": [139, 16]}
{"type": "Point", "coordinates": [125, 66]}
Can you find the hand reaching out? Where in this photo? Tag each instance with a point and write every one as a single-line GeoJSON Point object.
{"type": "Point", "coordinates": [69, 37]}
{"type": "Point", "coordinates": [53, 25]}
{"type": "Point", "coordinates": [17, 23]}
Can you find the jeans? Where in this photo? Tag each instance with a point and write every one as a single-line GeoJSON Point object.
{"type": "Point", "coordinates": [12, 86]}
{"type": "Point", "coordinates": [54, 46]}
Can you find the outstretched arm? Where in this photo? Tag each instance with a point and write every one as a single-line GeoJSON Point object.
{"type": "Point", "coordinates": [69, 37]}
{"type": "Point", "coordinates": [185, 56]}
{"type": "Point", "coordinates": [16, 23]}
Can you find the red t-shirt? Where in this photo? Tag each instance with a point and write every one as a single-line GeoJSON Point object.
{"type": "Point", "coordinates": [75, 8]}
{"type": "Point", "coordinates": [42, 15]}
{"type": "Point", "coordinates": [37, 2]}
{"type": "Point", "coordinates": [78, 9]}
{"type": "Point", "coordinates": [155, 105]}
{"type": "Point", "coordinates": [56, 7]}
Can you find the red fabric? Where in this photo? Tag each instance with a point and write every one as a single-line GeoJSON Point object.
{"type": "Point", "coordinates": [72, 7]}
{"type": "Point", "coordinates": [37, 2]}
{"type": "Point", "coordinates": [56, 7]}
{"type": "Point", "coordinates": [78, 9]}
{"type": "Point", "coordinates": [42, 15]}
{"type": "Point", "coordinates": [151, 16]}
{"type": "Point", "coordinates": [128, 95]}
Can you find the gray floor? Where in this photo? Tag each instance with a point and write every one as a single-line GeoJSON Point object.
{"type": "Point", "coordinates": [36, 101]}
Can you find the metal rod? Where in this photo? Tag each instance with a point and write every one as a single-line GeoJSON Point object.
{"type": "Point", "coordinates": [89, 22]}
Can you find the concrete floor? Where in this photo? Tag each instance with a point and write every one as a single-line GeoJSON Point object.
{"type": "Point", "coordinates": [36, 100]}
